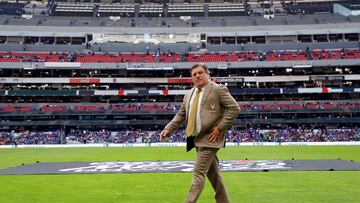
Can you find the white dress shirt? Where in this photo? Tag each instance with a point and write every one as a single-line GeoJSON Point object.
{"type": "Point", "coordinates": [198, 120]}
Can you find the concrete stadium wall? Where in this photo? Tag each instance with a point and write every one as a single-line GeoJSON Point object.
{"type": "Point", "coordinates": [11, 47]}
{"type": "Point", "coordinates": [178, 47]}
{"type": "Point", "coordinates": [54, 48]}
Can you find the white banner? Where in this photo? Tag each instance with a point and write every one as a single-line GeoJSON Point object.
{"type": "Point", "coordinates": [62, 64]}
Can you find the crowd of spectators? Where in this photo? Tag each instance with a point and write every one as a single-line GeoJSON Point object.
{"type": "Point", "coordinates": [32, 137]}
{"type": "Point", "coordinates": [86, 136]}
{"type": "Point", "coordinates": [172, 107]}
{"type": "Point", "coordinates": [299, 105]}
{"type": "Point", "coordinates": [170, 57]}
{"type": "Point", "coordinates": [294, 135]}
{"type": "Point", "coordinates": [37, 57]}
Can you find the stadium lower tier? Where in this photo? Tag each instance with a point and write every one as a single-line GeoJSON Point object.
{"type": "Point", "coordinates": [140, 136]}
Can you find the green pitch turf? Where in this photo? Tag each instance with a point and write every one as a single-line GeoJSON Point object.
{"type": "Point", "coordinates": [252, 187]}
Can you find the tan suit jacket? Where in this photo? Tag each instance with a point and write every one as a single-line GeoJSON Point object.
{"type": "Point", "coordinates": [217, 108]}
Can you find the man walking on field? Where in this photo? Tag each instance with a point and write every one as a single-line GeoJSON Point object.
{"type": "Point", "coordinates": [208, 110]}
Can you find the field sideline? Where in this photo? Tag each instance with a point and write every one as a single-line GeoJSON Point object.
{"type": "Point", "coordinates": [315, 186]}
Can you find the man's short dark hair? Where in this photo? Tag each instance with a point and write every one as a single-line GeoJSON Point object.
{"type": "Point", "coordinates": [200, 65]}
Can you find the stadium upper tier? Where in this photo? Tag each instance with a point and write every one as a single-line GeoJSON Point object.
{"type": "Point", "coordinates": [323, 31]}
{"type": "Point", "coordinates": [169, 57]}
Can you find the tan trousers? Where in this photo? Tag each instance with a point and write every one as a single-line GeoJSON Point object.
{"type": "Point", "coordinates": [207, 164]}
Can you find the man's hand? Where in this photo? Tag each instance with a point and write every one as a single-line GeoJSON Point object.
{"type": "Point", "coordinates": [214, 135]}
{"type": "Point", "coordinates": [164, 134]}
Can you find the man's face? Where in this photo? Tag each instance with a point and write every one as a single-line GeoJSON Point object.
{"type": "Point", "coordinates": [199, 76]}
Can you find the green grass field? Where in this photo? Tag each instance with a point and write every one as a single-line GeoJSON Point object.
{"type": "Point", "coordinates": [302, 186]}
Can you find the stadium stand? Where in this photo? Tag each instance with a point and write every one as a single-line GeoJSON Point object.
{"type": "Point", "coordinates": [177, 10]}
{"type": "Point", "coordinates": [119, 73]}
{"type": "Point", "coordinates": [116, 10]}
{"type": "Point", "coordinates": [151, 10]}
{"type": "Point", "coordinates": [85, 136]}
{"type": "Point", "coordinates": [66, 9]}
{"type": "Point", "coordinates": [278, 105]}
{"type": "Point", "coordinates": [170, 57]}
{"type": "Point", "coordinates": [226, 9]}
